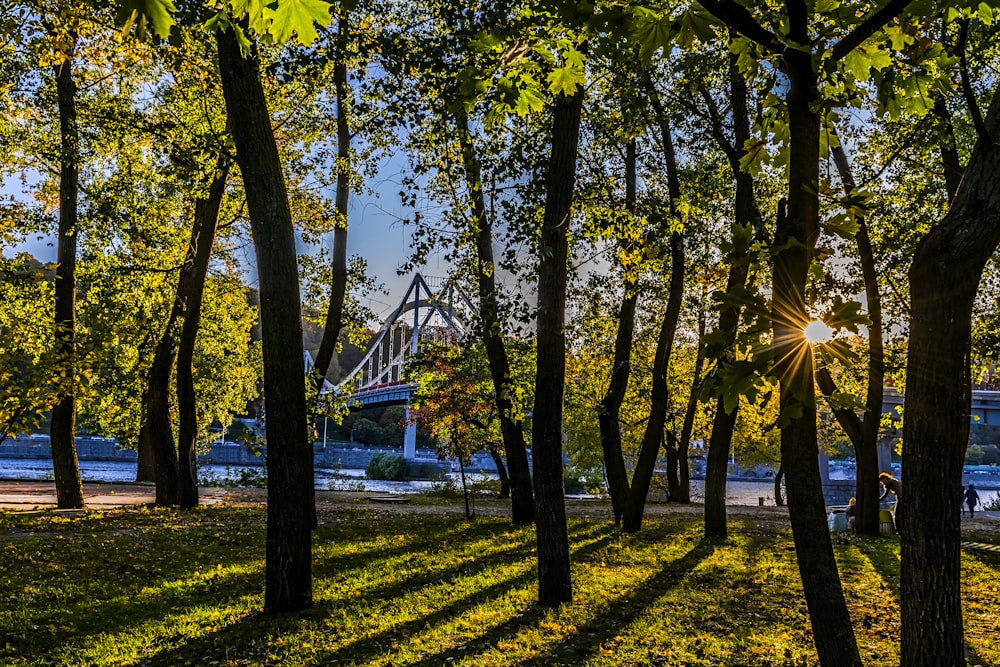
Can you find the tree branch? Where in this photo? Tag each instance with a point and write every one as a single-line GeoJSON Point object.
{"type": "Point", "coordinates": [847, 419]}
{"type": "Point", "coordinates": [967, 92]}
{"type": "Point", "coordinates": [742, 20]}
{"type": "Point", "coordinates": [869, 27]}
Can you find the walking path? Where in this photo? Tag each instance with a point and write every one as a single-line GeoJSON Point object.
{"type": "Point", "coordinates": [27, 496]}
{"type": "Point", "coordinates": [979, 546]}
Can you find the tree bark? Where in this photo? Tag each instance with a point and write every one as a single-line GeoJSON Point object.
{"type": "Point", "coordinates": [62, 431]}
{"type": "Point", "coordinates": [338, 289]}
{"type": "Point", "coordinates": [291, 507]}
{"type": "Point", "coordinates": [682, 492]}
{"type": "Point", "coordinates": [511, 426]}
{"type": "Point", "coordinates": [746, 215]}
{"type": "Point", "coordinates": [190, 290]}
{"type": "Point", "coordinates": [554, 582]}
{"type": "Point", "coordinates": [609, 410]}
{"type": "Point", "coordinates": [949, 151]}
{"type": "Point", "coordinates": [158, 425]}
{"type": "Point", "coordinates": [145, 469]}
{"type": "Point", "coordinates": [501, 474]}
{"type": "Point", "coordinates": [796, 238]}
{"type": "Point", "coordinates": [652, 437]}
{"type": "Point", "coordinates": [944, 278]}
{"type": "Point", "coordinates": [779, 497]}
{"type": "Point", "coordinates": [864, 432]}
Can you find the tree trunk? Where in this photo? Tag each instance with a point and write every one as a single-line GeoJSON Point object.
{"type": "Point", "coordinates": [291, 507]}
{"type": "Point", "coordinates": [338, 289]}
{"type": "Point", "coordinates": [501, 473]}
{"type": "Point", "coordinates": [866, 439]}
{"type": "Point", "coordinates": [682, 493]}
{"type": "Point", "coordinates": [652, 437]}
{"type": "Point", "coordinates": [511, 427]}
{"type": "Point", "coordinates": [554, 583]}
{"type": "Point", "coordinates": [746, 216]}
{"type": "Point", "coordinates": [158, 425]}
{"type": "Point", "coordinates": [779, 497]}
{"type": "Point", "coordinates": [145, 469]}
{"type": "Point", "coordinates": [949, 151]}
{"type": "Point", "coordinates": [62, 431]}
{"type": "Point", "coordinates": [609, 410]}
{"type": "Point", "coordinates": [796, 238]}
{"type": "Point", "coordinates": [190, 290]}
{"type": "Point", "coordinates": [944, 278]}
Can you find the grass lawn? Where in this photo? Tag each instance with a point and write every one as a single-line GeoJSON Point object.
{"type": "Point", "coordinates": [396, 587]}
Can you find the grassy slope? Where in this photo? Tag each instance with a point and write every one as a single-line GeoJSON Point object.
{"type": "Point", "coordinates": [146, 587]}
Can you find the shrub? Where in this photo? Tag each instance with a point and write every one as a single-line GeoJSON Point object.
{"type": "Point", "coordinates": [580, 480]}
{"type": "Point", "coordinates": [974, 455]}
{"type": "Point", "coordinates": [386, 466]}
{"type": "Point", "coordinates": [240, 478]}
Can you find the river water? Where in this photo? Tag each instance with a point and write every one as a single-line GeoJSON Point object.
{"type": "Point", "coordinates": [739, 492]}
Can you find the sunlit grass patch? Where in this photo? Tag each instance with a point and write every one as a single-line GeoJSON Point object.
{"type": "Point", "coordinates": [152, 587]}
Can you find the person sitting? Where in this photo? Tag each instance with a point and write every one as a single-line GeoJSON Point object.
{"type": "Point", "coordinates": [851, 512]}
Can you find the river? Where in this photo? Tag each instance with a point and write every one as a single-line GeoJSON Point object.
{"type": "Point", "coordinates": [739, 492]}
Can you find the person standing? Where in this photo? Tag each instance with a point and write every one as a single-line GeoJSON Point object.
{"type": "Point", "coordinates": [971, 499]}
{"type": "Point", "coordinates": [890, 483]}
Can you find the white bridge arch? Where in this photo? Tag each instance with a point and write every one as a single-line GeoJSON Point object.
{"type": "Point", "coordinates": [442, 314]}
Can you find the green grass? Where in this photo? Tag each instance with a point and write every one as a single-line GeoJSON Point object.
{"type": "Point", "coordinates": [155, 587]}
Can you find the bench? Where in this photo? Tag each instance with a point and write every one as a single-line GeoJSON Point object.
{"type": "Point", "coordinates": [388, 499]}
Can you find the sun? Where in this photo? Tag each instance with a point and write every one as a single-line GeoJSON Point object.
{"type": "Point", "coordinates": [817, 332]}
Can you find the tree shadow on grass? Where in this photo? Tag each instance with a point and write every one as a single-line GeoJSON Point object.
{"type": "Point", "coordinates": [363, 649]}
{"type": "Point", "coordinates": [590, 636]}
{"type": "Point", "coordinates": [883, 559]}
{"type": "Point", "coordinates": [429, 537]}
{"type": "Point", "coordinates": [78, 623]}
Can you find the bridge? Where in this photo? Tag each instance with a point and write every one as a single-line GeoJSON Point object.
{"type": "Point", "coordinates": [424, 314]}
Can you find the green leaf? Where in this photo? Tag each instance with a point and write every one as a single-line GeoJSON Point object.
{"type": "Point", "coordinates": [860, 61]}
{"type": "Point", "coordinates": [527, 101]}
{"type": "Point", "coordinates": [986, 14]}
{"type": "Point", "coordinates": [253, 10]}
{"type": "Point", "coordinates": [845, 315]}
{"type": "Point", "coordinates": [843, 225]}
{"type": "Point", "coordinates": [756, 153]}
{"type": "Point", "coordinates": [143, 14]}
{"type": "Point", "coordinates": [652, 31]}
{"type": "Point", "coordinates": [565, 80]}
{"type": "Point", "coordinates": [296, 17]}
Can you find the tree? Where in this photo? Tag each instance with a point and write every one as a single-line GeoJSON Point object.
{"type": "Point", "coordinates": [456, 131]}
{"type": "Point", "coordinates": [863, 432]}
{"type": "Point", "coordinates": [795, 239]}
{"type": "Point", "coordinates": [291, 505]}
{"type": "Point", "coordinates": [554, 583]}
{"type": "Point", "coordinates": [62, 432]}
{"type": "Point", "coordinates": [944, 278]}
{"type": "Point", "coordinates": [453, 399]}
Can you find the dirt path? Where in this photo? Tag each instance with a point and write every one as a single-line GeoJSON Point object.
{"type": "Point", "coordinates": [31, 496]}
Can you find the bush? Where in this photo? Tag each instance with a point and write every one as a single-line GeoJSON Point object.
{"type": "Point", "coordinates": [367, 432]}
{"type": "Point", "coordinates": [241, 478]}
{"type": "Point", "coordinates": [580, 481]}
{"type": "Point", "coordinates": [386, 466]}
{"type": "Point", "coordinates": [974, 455]}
